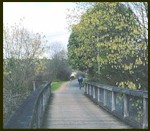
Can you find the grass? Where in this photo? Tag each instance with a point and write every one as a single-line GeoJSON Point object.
{"type": "Point", "coordinates": [56, 85]}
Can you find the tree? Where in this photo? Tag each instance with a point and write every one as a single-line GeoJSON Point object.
{"type": "Point", "coordinates": [107, 43]}
{"type": "Point", "coordinates": [21, 65]}
{"type": "Point", "coordinates": [141, 12]}
{"type": "Point", "coordinates": [57, 65]}
{"type": "Point", "coordinates": [74, 15]}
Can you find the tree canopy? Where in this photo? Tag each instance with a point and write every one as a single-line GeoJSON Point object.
{"type": "Point", "coordinates": [108, 44]}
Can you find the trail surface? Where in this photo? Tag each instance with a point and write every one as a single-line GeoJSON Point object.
{"type": "Point", "coordinates": [69, 108]}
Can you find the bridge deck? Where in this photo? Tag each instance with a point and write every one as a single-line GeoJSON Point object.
{"type": "Point", "coordinates": [70, 109]}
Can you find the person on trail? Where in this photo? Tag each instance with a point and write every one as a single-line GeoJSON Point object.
{"type": "Point", "coordinates": [80, 80]}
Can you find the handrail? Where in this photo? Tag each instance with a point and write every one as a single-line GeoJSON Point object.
{"type": "Point", "coordinates": [30, 113]}
{"type": "Point", "coordinates": [129, 105]}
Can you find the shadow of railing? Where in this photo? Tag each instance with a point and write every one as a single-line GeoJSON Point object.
{"type": "Point", "coordinates": [30, 113]}
{"type": "Point", "coordinates": [131, 106]}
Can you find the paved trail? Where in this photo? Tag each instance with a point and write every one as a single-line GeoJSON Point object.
{"type": "Point", "coordinates": [69, 108]}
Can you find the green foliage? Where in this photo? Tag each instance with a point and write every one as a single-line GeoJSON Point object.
{"type": "Point", "coordinates": [21, 65]}
{"type": "Point", "coordinates": [58, 67]}
{"type": "Point", "coordinates": [55, 85]}
{"type": "Point", "coordinates": [107, 43]}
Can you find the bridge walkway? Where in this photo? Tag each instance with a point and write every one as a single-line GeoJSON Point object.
{"type": "Point", "coordinates": [69, 108]}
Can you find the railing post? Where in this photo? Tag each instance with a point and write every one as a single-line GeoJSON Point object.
{"type": "Point", "coordinates": [91, 90]}
{"type": "Point", "coordinates": [113, 101]}
{"type": "Point", "coordinates": [98, 95]}
{"type": "Point", "coordinates": [49, 89]}
{"type": "Point", "coordinates": [87, 88]}
{"type": "Point", "coordinates": [145, 111]}
{"type": "Point", "coordinates": [34, 86]}
{"type": "Point", "coordinates": [105, 98]}
{"type": "Point", "coordinates": [94, 92]}
{"type": "Point", "coordinates": [39, 114]}
{"type": "Point", "coordinates": [126, 106]}
{"type": "Point", "coordinates": [44, 103]}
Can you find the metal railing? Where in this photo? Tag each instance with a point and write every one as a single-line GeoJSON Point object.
{"type": "Point", "coordinates": [30, 113]}
{"type": "Point", "coordinates": [129, 105]}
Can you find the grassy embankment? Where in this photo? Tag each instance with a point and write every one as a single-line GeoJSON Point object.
{"type": "Point", "coordinates": [56, 85]}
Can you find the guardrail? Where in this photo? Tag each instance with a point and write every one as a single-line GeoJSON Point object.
{"type": "Point", "coordinates": [131, 106]}
{"type": "Point", "coordinates": [30, 113]}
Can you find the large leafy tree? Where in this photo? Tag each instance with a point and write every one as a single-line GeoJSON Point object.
{"type": "Point", "coordinates": [107, 43]}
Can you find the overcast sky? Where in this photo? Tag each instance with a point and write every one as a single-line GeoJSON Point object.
{"type": "Point", "coordinates": [48, 18]}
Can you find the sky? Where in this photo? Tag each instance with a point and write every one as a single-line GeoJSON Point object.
{"type": "Point", "coordinates": [48, 18]}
